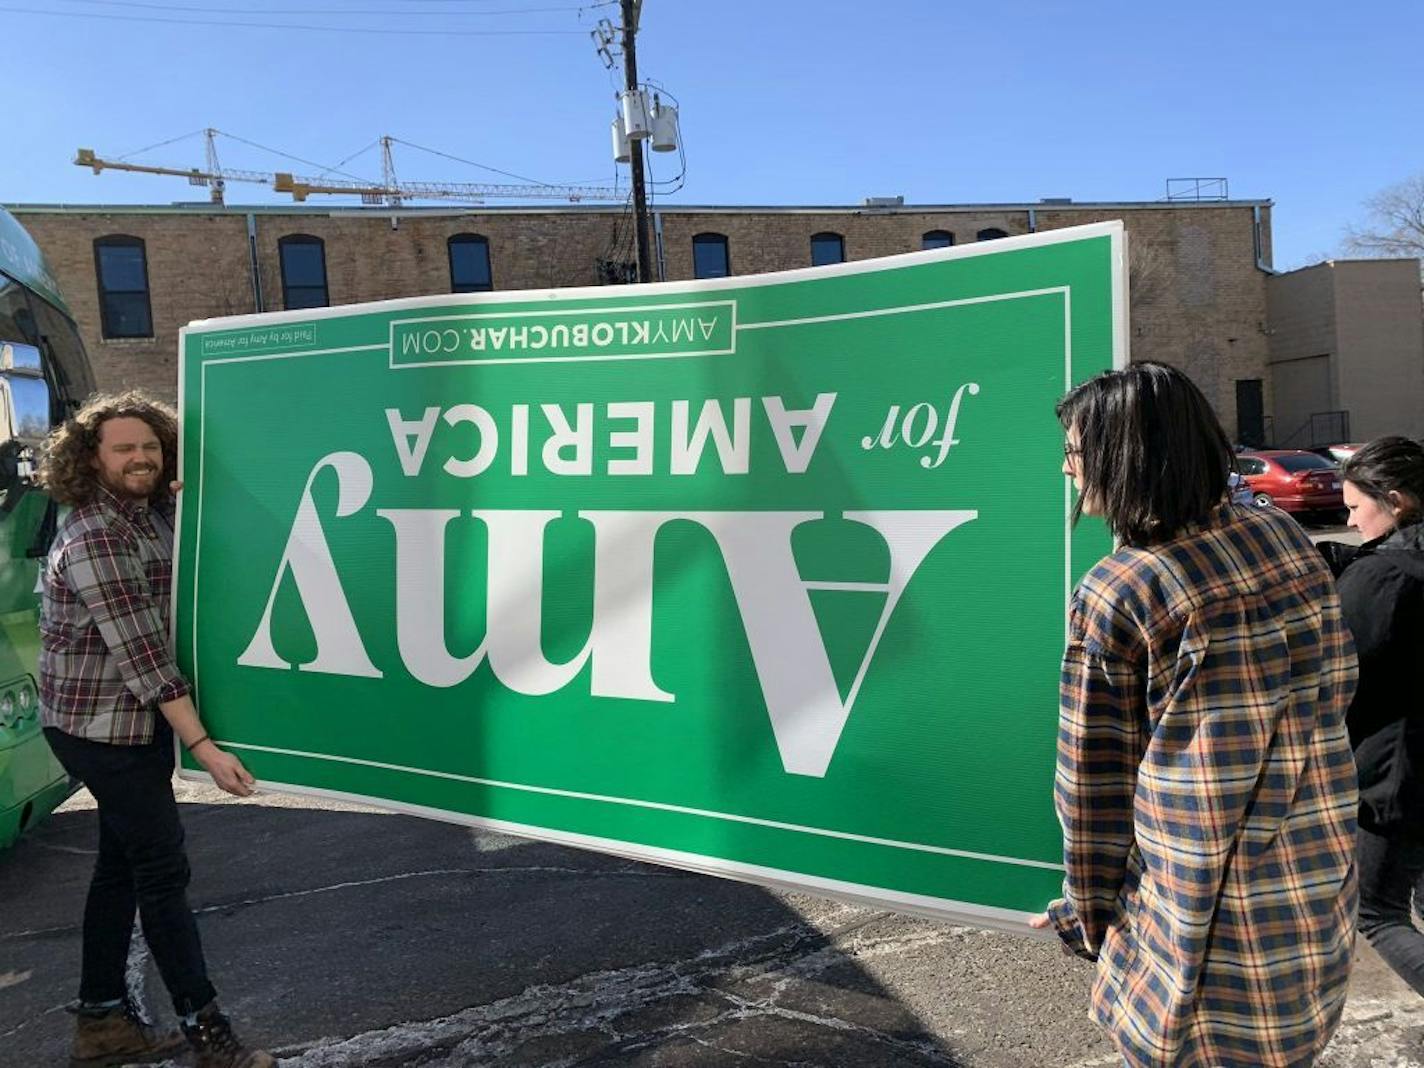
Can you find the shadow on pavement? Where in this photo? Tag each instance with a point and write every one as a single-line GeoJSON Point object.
{"type": "Point", "coordinates": [356, 938]}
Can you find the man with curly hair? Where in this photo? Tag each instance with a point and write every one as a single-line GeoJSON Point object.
{"type": "Point", "coordinates": [112, 700]}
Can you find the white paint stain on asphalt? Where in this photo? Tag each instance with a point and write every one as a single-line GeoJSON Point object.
{"type": "Point", "coordinates": [1383, 1032]}
{"type": "Point", "coordinates": [8, 979]}
{"type": "Point", "coordinates": [135, 971]}
{"type": "Point", "coordinates": [594, 1003]}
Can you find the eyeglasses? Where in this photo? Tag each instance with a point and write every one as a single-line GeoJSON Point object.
{"type": "Point", "coordinates": [1070, 451]}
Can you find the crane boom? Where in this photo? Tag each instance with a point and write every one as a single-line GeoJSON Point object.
{"type": "Point", "coordinates": [389, 192]}
{"type": "Point", "coordinates": [85, 157]}
{"type": "Point", "coordinates": [301, 188]}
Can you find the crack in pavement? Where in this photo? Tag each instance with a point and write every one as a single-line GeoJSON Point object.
{"type": "Point", "coordinates": [53, 847]}
{"type": "Point", "coordinates": [244, 903]}
{"type": "Point", "coordinates": [858, 949]}
{"type": "Point", "coordinates": [766, 1007]}
{"type": "Point", "coordinates": [432, 872]}
{"type": "Point", "coordinates": [33, 1020]}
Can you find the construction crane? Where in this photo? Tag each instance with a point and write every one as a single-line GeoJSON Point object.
{"type": "Point", "coordinates": [214, 178]}
{"type": "Point", "coordinates": [389, 191]}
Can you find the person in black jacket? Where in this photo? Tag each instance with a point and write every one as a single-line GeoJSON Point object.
{"type": "Point", "coordinates": [1382, 595]}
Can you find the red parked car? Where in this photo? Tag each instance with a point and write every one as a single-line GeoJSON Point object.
{"type": "Point", "coordinates": [1293, 480]}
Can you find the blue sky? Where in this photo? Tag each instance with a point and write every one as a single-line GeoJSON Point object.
{"type": "Point", "coordinates": [1311, 104]}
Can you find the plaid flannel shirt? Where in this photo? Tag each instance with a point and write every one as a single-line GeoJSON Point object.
{"type": "Point", "coordinates": [104, 659]}
{"type": "Point", "coordinates": [1207, 794]}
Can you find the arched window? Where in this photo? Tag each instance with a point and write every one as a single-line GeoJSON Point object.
{"type": "Point", "coordinates": [709, 256]}
{"type": "Point", "coordinates": [121, 267]}
{"type": "Point", "coordinates": [827, 248]}
{"type": "Point", "coordinates": [470, 264]}
{"type": "Point", "coordinates": [993, 233]}
{"type": "Point", "coordinates": [303, 260]}
{"type": "Point", "coordinates": [936, 239]}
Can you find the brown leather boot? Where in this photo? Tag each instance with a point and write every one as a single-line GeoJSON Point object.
{"type": "Point", "coordinates": [217, 1047]}
{"type": "Point", "coordinates": [119, 1036]}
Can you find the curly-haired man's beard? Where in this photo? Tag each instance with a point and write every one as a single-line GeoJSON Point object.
{"type": "Point", "coordinates": [137, 480]}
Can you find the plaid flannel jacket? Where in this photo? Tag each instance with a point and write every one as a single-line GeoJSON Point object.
{"type": "Point", "coordinates": [104, 659]}
{"type": "Point", "coordinates": [1207, 794]}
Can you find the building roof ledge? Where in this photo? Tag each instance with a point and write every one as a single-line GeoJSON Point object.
{"type": "Point", "coordinates": [666, 209]}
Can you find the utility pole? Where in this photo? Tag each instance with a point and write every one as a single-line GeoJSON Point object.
{"type": "Point", "coordinates": [631, 9]}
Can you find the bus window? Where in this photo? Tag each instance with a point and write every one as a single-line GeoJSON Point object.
{"type": "Point", "coordinates": [66, 366]}
{"type": "Point", "coordinates": [17, 323]}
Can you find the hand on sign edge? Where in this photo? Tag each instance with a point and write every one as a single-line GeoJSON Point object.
{"type": "Point", "coordinates": [1042, 922]}
{"type": "Point", "coordinates": [228, 772]}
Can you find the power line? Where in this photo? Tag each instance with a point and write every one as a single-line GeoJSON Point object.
{"type": "Point", "coordinates": [598, 3]}
{"type": "Point", "coordinates": [292, 25]}
{"type": "Point", "coordinates": [344, 12]}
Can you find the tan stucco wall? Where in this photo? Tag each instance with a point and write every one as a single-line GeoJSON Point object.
{"type": "Point", "coordinates": [1380, 332]}
{"type": "Point", "coordinates": [1366, 317]}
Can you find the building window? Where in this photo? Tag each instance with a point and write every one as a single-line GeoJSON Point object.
{"type": "Point", "coordinates": [470, 264]}
{"type": "Point", "coordinates": [303, 271]}
{"type": "Point", "coordinates": [709, 256]}
{"type": "Point", "coordinates": [936, 239]}
{"type": "Point", "coordinates": [827, 248]}
{"type": "Point", "coordinates": [993, 233]}
{"type": "Point", "coordinates": [121, 266]}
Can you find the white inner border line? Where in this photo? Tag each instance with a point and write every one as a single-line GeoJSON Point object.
{"type": "Point", "coordinates": [1063, 291]}
{"type": "Point", "coordinates": [659, 806]}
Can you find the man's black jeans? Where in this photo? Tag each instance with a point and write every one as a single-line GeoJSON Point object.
{"type": "Point", "coordinates": [141, 863]}
{"type": "Point", "coordinates": [1391, 873]}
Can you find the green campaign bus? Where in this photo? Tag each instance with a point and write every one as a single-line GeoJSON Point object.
{"type": "Point", "coordinates": [44, 375]}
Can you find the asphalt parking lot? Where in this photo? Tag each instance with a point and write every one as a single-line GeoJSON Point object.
{"type": "Point", "coordinates": [344, 936]}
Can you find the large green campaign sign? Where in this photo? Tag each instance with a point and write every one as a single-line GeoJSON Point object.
{"type": "Point", "coordinates": [759, 576]}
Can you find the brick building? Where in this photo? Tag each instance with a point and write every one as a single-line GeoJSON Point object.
{"type": "Point", "coordinates": [135, 274]}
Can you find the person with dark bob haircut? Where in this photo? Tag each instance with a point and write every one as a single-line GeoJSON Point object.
{"type": "Point", "coordinates": [1382, 592]}
{"type": "Point", "coordinates": [1205, 782]}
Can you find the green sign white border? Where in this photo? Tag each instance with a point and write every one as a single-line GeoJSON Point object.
{"type": "Point", "coordinates": [987, 916]}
